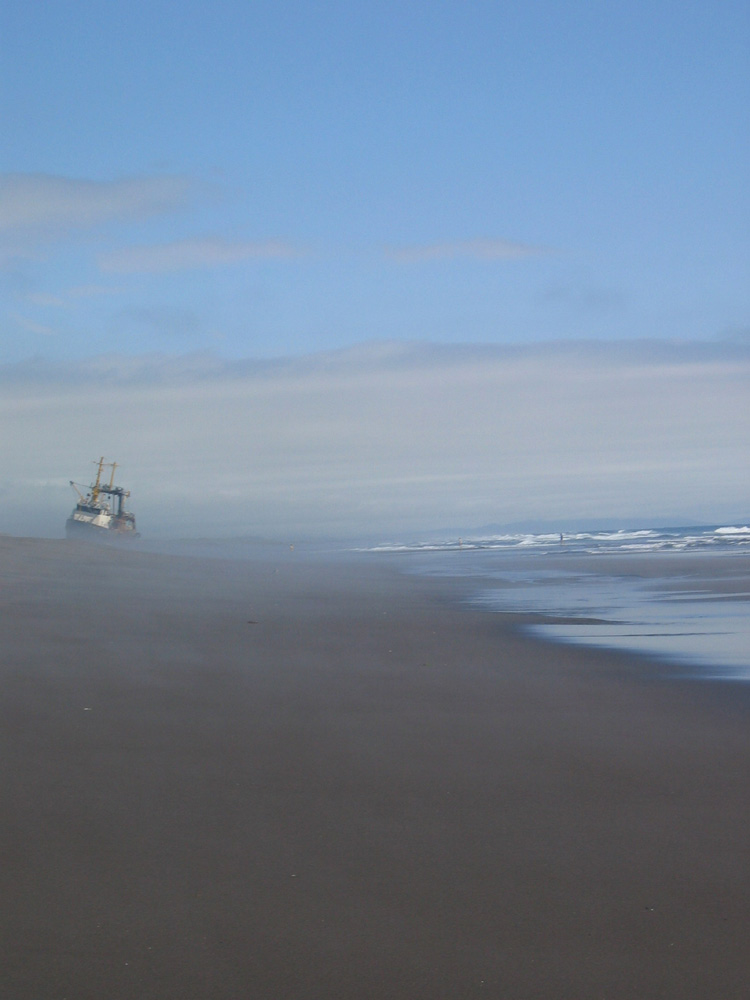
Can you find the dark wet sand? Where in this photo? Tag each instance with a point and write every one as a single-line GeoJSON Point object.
{"type": "Point", "coordinates": [304, 780]}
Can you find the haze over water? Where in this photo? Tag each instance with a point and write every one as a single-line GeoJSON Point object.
{"type": "Point", "coordinates": [649, 600]}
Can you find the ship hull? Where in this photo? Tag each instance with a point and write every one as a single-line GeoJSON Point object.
{"type": "Point", "coordinates": [80, 529]}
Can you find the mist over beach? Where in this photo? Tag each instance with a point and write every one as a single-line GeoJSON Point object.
{"type": "Point", "coordinates": [296, 775]}
{"type": "Point", "coordinates": [374, 522]}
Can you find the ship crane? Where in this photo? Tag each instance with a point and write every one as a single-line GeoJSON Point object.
{"type": "Point", "coordinates": [120, 494]}
{"type": "Point", "coordinates": [75, 486]}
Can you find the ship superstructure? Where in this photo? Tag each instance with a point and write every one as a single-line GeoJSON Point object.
{"type": "Point", "coordinates": [100, 512]}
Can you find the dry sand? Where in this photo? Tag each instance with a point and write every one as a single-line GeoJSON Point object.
{"type": "Point", "coordinates": [300, 779]}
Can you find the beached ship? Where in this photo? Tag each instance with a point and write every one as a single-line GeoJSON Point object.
{"type": "Point", "coordinates": [100, 512]}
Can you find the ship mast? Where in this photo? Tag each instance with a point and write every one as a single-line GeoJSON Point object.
{"type": "Point", "coordinates": [95, 488]}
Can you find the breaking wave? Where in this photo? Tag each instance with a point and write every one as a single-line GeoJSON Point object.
{"type": "Point", "coordinates": [707, 538]}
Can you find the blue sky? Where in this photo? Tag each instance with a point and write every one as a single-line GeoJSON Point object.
{"type": "Point", "coordinates": [263, 179]}
{"type": "Point", "coordinates": [189, 189]}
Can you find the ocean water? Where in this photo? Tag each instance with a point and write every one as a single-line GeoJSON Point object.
{"type": "Point", "coordinates": [720, 538]}
{"type": "Point", "coordinates": [661, 595]}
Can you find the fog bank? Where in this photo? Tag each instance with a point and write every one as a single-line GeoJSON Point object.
{"type": "Point", "coordinates": [384, 438]}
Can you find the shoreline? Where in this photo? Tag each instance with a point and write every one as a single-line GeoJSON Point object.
{"type": "Point", "coordinates": [310, 777]}
{"type": "Point", "coordinates": [688, 611]}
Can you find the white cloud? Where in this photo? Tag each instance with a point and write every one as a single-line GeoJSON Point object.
{"type": "Point", "coordinates": [478, 249]}
{"type": "Point", "coordinates": [43, 206]}
{"type": "Point", "coordinates": [189, 254]}
{"type": "Point", "coordinates": [46, 300]}
{"type": "Point", "coordinates": [92, 291]}
{"type": "Point", "coordinates": [38, 329]}
{"type": "Point", "coordinates": [381, 440]}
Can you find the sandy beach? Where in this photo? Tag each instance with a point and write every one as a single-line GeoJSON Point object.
{"type": "Point", "coordinates": [309, 779]}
